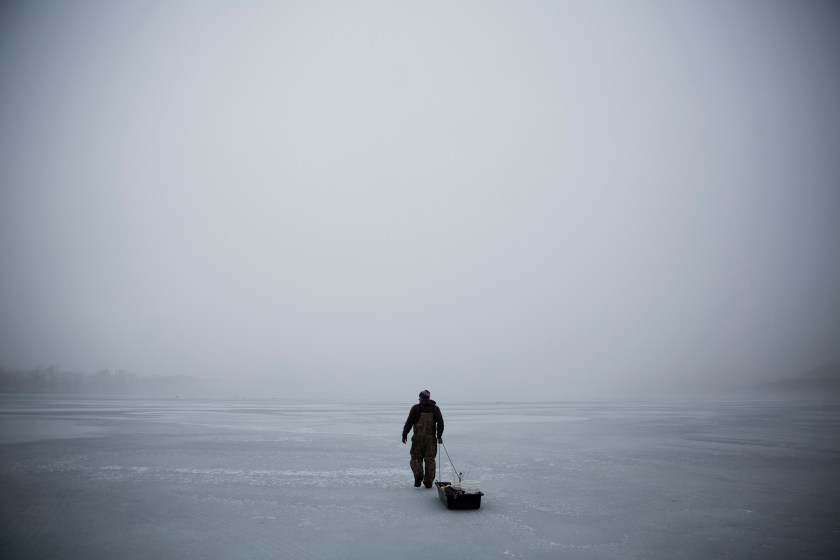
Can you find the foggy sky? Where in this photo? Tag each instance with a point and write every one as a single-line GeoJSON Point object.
{"type": "Point", "coordinates": [365, 199]}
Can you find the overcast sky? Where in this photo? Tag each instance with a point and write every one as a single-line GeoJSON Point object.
{"type": "Point", "coordinates": [365, 199]}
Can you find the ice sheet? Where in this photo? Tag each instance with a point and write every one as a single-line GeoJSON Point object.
{"type": "Point", "coordinates": [109, 478]}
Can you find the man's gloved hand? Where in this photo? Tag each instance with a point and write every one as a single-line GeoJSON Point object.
{"type": "Point", "coordinates": [440, 440]}
{"type": "Point", "coordinates": [404, 439]}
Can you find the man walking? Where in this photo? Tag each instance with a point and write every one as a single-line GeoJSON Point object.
{"type": "Point", "coordinates": [426, 419]}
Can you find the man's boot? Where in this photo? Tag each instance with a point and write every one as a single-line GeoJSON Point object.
{"type": "Point", "coordinates": [418, 481]}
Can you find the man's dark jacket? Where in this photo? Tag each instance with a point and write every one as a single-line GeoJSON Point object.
{"type": "Point", "coordinates": [420, 408]}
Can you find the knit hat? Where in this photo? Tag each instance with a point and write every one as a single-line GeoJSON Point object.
{"type": "Point", "coordinates": [425, 395]}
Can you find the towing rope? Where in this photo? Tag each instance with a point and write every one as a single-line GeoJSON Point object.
{"type": "Point", "coordinates": [454, 472]}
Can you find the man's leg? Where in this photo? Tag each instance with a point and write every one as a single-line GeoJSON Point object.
{"type": "Point", "coordinates": [417, 452]}
{"type": "Point", "coordinates": [429, 460]}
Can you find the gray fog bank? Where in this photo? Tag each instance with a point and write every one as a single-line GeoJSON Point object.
{"type": "Point", "coordinates": [537, 200]}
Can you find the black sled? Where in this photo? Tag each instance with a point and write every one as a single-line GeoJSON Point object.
{"type": "Point", "coordinates": [457, 499]}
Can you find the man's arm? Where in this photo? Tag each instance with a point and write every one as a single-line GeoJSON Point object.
{"type": "Point", "coordinates": [439, 420]}
{"type": "Point", "coordinates": [413, 415]}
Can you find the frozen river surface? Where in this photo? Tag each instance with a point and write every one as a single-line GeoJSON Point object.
{"type": "Point", "coordinates": [158, 479]}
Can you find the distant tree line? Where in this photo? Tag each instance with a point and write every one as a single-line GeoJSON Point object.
{"type": "Point", "coordinates": [52, 380]}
